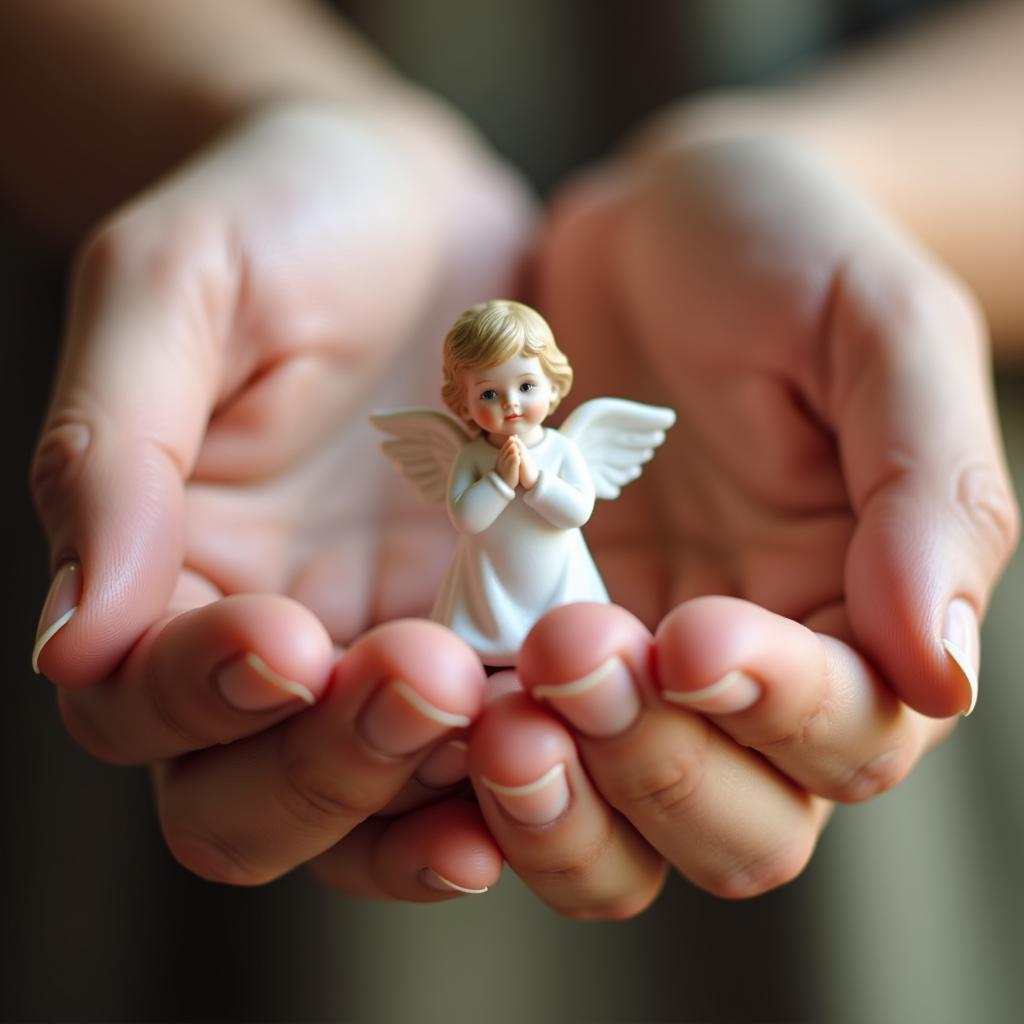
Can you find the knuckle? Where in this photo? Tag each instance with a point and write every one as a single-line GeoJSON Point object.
{"type": "Point", "coordinates": [619, 909]}
{"type": "Point", "coordinates": [573, 868]}
{"type": "Point", "coordinates": [622, 907]}
{"type": "Point", "coordinates": [213, 858]}
{"type": "Point", "coordinates": [324, 872]}
{"type": "Point", "coordinates": [147, 247]}
{"type": "Point", "coordinates": [58, 457]}
{"type": "Point", "coordinates": [314, 798]}
{"type": "Point", "coordinates": [814, 729]}
{"type": "Point", "coordinates": [184, 261]}
{"type": "Point", "coordinates": [105, 250]}
{"type": "Point", "coordinates": [985, 505]}
{"type": "Point", "coordinates": [763, 873]}
{"type": "Point", "coordinates": [666, 784]}
{"type": "Point", "coordinates": [876, 776]}
{"type": "Point", "coordinates": [87, 730]}
{"type": "Point", "coordinates": [172, 716]}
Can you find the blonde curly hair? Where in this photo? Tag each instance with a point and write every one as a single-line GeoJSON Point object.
{"type": "Point", "coordinates": [491, 333]}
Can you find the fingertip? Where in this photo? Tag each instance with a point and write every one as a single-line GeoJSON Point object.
{"type": "Point", "coordinates": [704, 638]}
{"type": "Point", "coordinates": [430, 662]}
{"type": "Point", "coordinates": [518, 760]}
{"type": "Point", "coordinates": [961, 640]}
{"type": "Point", "coordinates": [461, 854]}
{"type": "Point", "coordinates": [59, 607]}
{"type": "Point", "coordinates": [515, 740]}
{"type": "Point", "coordinates": [590, 663]}
{"type": "Point", "coordinates": [703, 634]}
{"type": "Point", "coordinates": [924, 643]}
{"type": "Point", "coordinates": [267, 650]}
{"type": "Point", "coordinates": [443, 850]}
{"type": "Point", "coordinates": [572, 641]}
{"type": "Point", "coordinates": [722, 655]}
{"type": "Point", "coordinates": [118, 540]}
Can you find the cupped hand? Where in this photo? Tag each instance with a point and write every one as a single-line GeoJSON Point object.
{"type": "Point", "coordinates": [816, 543]}
{"type": "Point", "coordinates": [220, 522]}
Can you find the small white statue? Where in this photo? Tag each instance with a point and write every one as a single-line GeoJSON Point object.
{"type": "Point", "coordinates": [517, 491]}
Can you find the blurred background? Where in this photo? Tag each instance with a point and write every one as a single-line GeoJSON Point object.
{"type": "Point", "coordinates": [913, 908]}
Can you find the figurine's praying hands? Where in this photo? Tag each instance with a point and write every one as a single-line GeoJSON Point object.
{"type": "Point", "coordinates": [510, 462]}
{"type": "Point", "coordinates": [526, 472]}
{"type": "Point", "coordinates": [518, 492]}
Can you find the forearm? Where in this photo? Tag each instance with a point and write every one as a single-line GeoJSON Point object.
{"type": "Point", "coordinates": [564, 504]}
{"type": "Point", "coordinates": [928, 123]}
{"type": "Point", "coordinates": [105, 95]}
{"type": "Point", "coordinates": [474, 507]}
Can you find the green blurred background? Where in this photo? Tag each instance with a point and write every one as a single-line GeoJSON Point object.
{"type": "Point", "coordinates": [912, 909]}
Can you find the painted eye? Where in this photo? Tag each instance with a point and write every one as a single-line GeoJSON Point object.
{"type": "Point", "coordinates": [527, 386]}
{"type": "Point", "coordinates": [489, 394]}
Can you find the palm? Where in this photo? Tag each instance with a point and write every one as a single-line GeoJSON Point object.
{"type": "Point", "coordinates": [288, 494]}
{"type": "Point", "coordinates": [747, 497]}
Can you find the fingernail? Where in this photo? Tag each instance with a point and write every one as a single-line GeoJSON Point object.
{"type": "Point", "coordinates": [60, 605]}
{"type": "Point", "coordinates": [398, 721]}
{"type": "Point", "coordinates": [435, 880]}
{"type": "Point", "coordinates": [962, 643]}
{"type": "Point", "coordinates": [603, 703]}
{"type": "Point", "coordinates": [535, 803]}
{"type": "Point", "coordinates": [248, 683]}
{"type": "Point", "coordinates": [445, 766]}
{"type": "Point", "coordinates": [735, 691]}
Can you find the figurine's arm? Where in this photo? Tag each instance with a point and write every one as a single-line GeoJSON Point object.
{"type": "Point", "coordinates": [475, 501]}
{"type": "Point", "coordinates": [566, 498]}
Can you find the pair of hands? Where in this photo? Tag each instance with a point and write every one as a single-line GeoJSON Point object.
{"type": "Point", "coordinates": [515, 465]}
{"type": "Point", "coordinates": [835, 477]}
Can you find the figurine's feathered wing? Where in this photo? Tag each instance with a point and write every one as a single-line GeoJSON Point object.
{"type": "Point", "coordinates": [423, 445]}
{"type": "Point", "coordinates": [616, 438]}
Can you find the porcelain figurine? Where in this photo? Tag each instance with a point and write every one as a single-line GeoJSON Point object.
{"type": "Point", "coordinates": [517, 492]}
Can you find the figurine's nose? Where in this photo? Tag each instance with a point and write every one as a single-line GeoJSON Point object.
{"type": "Point", "coordinates": [511, 402]}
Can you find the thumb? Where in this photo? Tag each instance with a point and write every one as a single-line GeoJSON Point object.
{"type": "Point", "coordinates": [126, 420]}
{"type": "Point", "coordinates": [936, 519]}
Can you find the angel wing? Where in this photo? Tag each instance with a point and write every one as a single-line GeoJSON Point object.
{"type": "Point", "coordinates": [423, 445]}
{"type": "Point", "coordinates": [616, 438]}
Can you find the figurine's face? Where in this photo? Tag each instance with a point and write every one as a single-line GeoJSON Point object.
{"type": "Point", "coordinates": [510, 399]}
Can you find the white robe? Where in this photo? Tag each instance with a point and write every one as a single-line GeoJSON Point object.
{"type": "Point", "coordinates": [520, 553]}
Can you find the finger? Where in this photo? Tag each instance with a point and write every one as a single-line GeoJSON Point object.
{"type": "Point", "coordinates": [139, 373]}
{"type": "Point", "coordinates": [808, 702]}
{"type": "Point", "coordinates": [444, 772]}
{"type": "Point", "coordinates": [435, 853]}
{"type": "Point", "coordinates": [924, 468]}
{"type": "Point", "coordinates": [555, 830]}
{"type": "Point", "coordinates": [207, 676]}
{"type": "Point", "coordinates": [720, 813]}
{"type": "Point", "coordinates": [251, 811]}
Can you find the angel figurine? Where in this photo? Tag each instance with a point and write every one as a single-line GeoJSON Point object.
{"type": "Point", "coordinates": [517, 492]}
